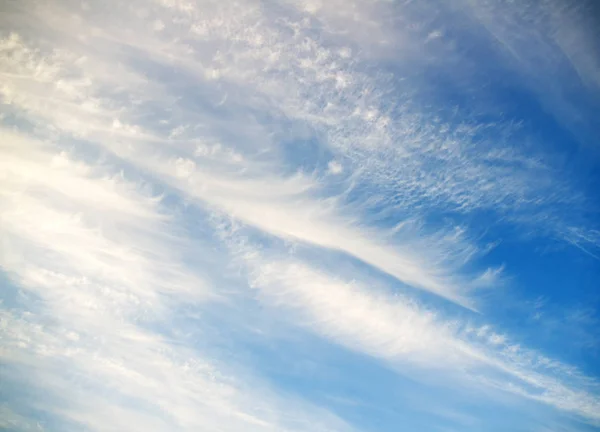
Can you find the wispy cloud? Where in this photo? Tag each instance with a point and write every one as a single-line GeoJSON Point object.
{"type": "Point", "coordinates": [559, 37]}
{"type": "Point", "coordinates": [405, 335]}
{"type": "Point", "coordinates": [98, 270]}
{"type": "Point", "coordinates": [167, 156]}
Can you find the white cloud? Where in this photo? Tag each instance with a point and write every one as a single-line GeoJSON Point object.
{"type": "Point", "coordinates": [11, 420]}
{"type": "Point", "coordinates": [114, 111]}
{"type": "Point", "coordinates": [402, 333]}
{"type": "Point", "coordinates": [335, 167]}
{"type": "Point", "coordinates": [393, 155]}
{"type": "Point", "coordinates": [171, 386]}
{"type": "Point", "coordinates": [104, 261]}
{"type": "Point", "coordinates": [558, 39]}
{"type": "Point", "coordinates": [280, 206]}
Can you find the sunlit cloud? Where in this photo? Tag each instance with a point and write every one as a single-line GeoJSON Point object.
{"type": "Point", "coordinates": [188, 185]}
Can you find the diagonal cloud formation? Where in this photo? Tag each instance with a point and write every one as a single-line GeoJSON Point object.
{"type": "Point", "coordinates": [97, 270]}
{"type": "Point", "coordinates": [411, 338]}
{"type": "Point", "coordinates": [120, 118]}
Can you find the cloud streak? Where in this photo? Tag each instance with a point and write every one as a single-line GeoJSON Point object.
{"type": "Point", "coordinates": [405, 335]}
{"type": "Point", "coordinates": [95, 287]}
{"type": "Point", "coordinates": [173, 156]}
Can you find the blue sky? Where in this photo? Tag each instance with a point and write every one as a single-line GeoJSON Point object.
{"type": "Point", "coordinates": [300, 215]}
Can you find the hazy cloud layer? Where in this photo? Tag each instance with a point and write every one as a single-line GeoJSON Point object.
{"type": "Point", "coordinates": [180, 180]}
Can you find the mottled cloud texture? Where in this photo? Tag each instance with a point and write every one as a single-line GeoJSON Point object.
{"type": "Point", "coordinates": [204, 204]}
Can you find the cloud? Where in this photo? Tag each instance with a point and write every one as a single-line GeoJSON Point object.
{"type": "Point", "coordinates": [144, 379]}
{"type": "Point", "coordinates": [11, 420]}
{"type": "Point", "coordinates": [335, 167]}
{"type": "Point", "coordinates": [99, 261]}
{"type": "Point", "coordinates": [132, 133]}
{"type": "Point", "coordinates": [285, 210]}
{"type": "Point", "coordinates": [557, 37]}
{"type": "Point", "coordinates": [404, 334]}
{"type": "Point", "coordinates": [417, 160]}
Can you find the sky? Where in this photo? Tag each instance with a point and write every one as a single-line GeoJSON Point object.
{"type": "Point", "coordinates": [300, 215]}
